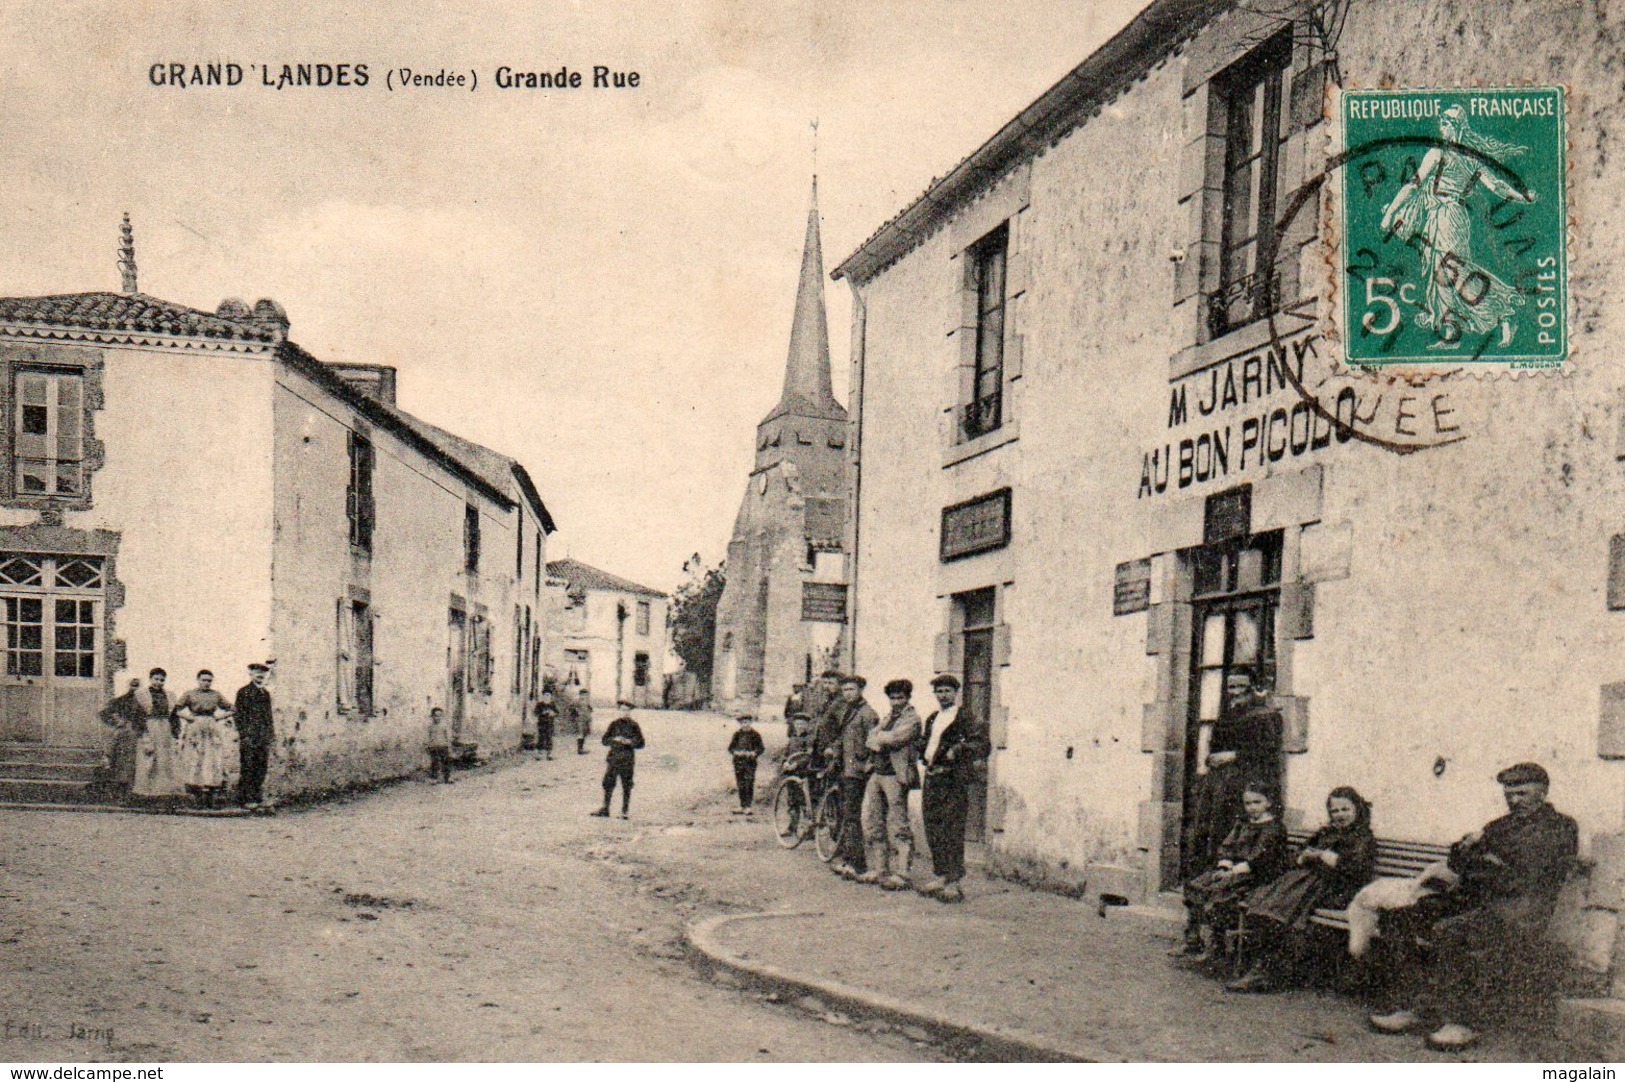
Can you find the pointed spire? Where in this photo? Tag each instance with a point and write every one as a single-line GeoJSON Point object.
{"type": "Point", "coordinates": [807, 388]}
{"type": "Point", "coordinates": [126, 254]}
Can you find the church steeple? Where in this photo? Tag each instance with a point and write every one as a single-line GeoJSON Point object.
{"type": "Point", "coordinates": [807, 388]}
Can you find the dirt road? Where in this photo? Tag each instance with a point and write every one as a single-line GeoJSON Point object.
{"type": "Point", "coordinates": [487, 920]}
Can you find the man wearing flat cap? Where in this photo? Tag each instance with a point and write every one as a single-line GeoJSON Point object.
{"type": "Point", "coordinates": [255, 731]}
{"type": "Point", "coordinates": [951, 746]}
{"type": "Point", "coordinates": [1486, 935]}
{"type": "Point", "coordinates": [851, 753]}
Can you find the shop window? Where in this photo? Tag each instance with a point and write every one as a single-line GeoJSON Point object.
{"type": "Point", "coordinates": [48, 444]}
{"type": "Point", "coordinates": [358, 499]}
{"type": "Point", "coordinates": [985, 412]}
{"type": "Point", "coordinates": [1250, 98]}
{"type": "Point", "coordinates": [355, 656]}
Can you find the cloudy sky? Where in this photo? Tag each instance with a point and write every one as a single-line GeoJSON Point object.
{"type": "Point", "coordinates": [597, 282]}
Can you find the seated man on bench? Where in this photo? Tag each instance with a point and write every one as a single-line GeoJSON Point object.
{"type": "Point", "coordinates": [1485, 936]}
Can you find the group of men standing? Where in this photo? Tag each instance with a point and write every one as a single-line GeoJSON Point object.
{"type": "Point", "coordinates": [163, 746]}
{"type": "Point", "coordinates": [878, 760]}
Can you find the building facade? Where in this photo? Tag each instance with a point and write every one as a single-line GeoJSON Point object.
{"type": "Point", "coordinates": [1050, 348]}
{"type": "Point", "coordinates": [188, 490]}
{"type": "Point", "coordinates": [782, 614]}
{"type": "Point", "coordinates": [606, 634]}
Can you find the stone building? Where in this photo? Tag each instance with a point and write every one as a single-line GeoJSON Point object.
{"type": "Point", "coordinates": [191, 489]}
{"type": "Point", "coordinates": [606, 634]}
{"type": "Point", "coordinates": [783, 609]}
{"type": "Point", "coordinates": [1433, 582]}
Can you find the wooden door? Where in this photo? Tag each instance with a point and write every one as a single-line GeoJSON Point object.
{"type": "Point", "coordinates": [54, 679]}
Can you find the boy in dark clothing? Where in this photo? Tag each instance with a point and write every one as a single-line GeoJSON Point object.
{"type": "Point", "coordinates": [623, 738]}
{"type": "Point", "coordinates": [746, 747]}
{"type": "Point", "coordinates": [547, 716]}
{"type": "Point", "coordinates": [583, 719]}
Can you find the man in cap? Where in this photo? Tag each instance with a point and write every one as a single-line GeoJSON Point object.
{"type": "Point", "coordinates": [255, 730]}
{"type": "Point", "coordinates": [1486, 934]}
{"type": "Point", "coordinates": [851, 754]}
{"type": "Point", "coordinates": [623, 738]}
{"type": "Point", "coordinates": [888, 840]}
{"type": "Point", "coordinates": [951, 746]}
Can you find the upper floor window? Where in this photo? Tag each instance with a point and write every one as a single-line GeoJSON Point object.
{"type": "Point", "coordinates": [985, 411]}
{"type": "Point", "coordinates": [48, 449]}
{"type": "Point", "coordinates": [471, 539]}
{"type": "Point", "coordinates": [643, 617]}
{"type": "Point", "coordinates": [358, 501]}
{"type": "Point", "coordinates": [1250, 97]}
{"type": "Point", "coordinates": [537, 586]}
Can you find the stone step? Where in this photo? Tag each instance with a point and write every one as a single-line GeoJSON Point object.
{"type": "Point", "coordinates": [43, 771]}
{"type": "Point", "coordinates": [44, 791]}
{"type": "Point", "coordinates": [18, 752]}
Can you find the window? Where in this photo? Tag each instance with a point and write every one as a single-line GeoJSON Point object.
{"type": "Point", "coordinates": [519, 552]}
{"type": "Point", "coordinates": [539, 567]}
{"type": "Point", "coordinates": [49, 447]}
{"type": "Point", "coordinates": [482, 664]}
{"type": "Point", "coordinates": [985, 411]}
{"type": "Point", "coordinates": [1250, 97]}
{"type": "Point", "coordinates": [355, 661]}
{"type": "Point", "coordinates": [358, 502]}
{"type": "Point", "coordinates": [50, 609]}
{"type": "Point", "coordinates": [643, 617]}
{"type": "Point", "coordinates": [471, 539]}
{"type": "Point", "coordinates": [640, 669]}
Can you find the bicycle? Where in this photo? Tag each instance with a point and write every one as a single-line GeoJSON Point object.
{"type": "Point", "coordinates": [827, 824]}
{"type": "Point", "coordinates": [794, 802]}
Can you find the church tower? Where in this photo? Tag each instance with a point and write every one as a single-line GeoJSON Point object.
{"type": "Point", "coordinates": [783, 610]}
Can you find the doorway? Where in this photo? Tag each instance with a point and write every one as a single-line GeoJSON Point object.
{"type": "Point", "coordinates": [54, 680]}
{"type": "Point", "coordinates": [456, 668]}
{"type": "Point", "coordinates": [976, 615]}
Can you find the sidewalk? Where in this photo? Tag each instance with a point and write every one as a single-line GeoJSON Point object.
{"type": "Point", "coordinates": [1036, 976]}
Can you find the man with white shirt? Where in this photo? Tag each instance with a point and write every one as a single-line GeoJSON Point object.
{"type": "Point", "coordinates": [950, 747]}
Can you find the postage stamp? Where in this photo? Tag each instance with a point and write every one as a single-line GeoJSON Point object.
{"type": "Point", "coordinates": [1452, 221]}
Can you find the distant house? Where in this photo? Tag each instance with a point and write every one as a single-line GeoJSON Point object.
{"type": "Point", "coordinates": [190, 489]}
{"type": "Point", "coordinates": [605, 633]}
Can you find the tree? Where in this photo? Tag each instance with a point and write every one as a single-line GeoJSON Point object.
{"type": "Point", "coordinates": [694, 616]}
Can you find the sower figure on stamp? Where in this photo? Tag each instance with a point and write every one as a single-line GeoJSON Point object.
{"type": "Point", "coordinates": [255, 734]}
{"type": "Point", "coordinates": [1478, 951]}
{"type": "Point", "coordinates": [623, 738]}
{"type": "Point", "coordinates": [888, 839]}
{"type": "Point", "coordinates": [1243, 744]}
{"type": "Point", "coordinates": [952, 745]}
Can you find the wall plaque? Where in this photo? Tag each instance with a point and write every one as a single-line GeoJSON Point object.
{"type": "Point", "coordinates": [1132, 590]}
{"type": "Point", "coordinates": [978, 525]}
{"type": "Point", "coordinates": [823, 602]}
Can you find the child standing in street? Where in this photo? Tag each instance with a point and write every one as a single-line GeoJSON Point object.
{"type": "Point", "coordinates": [438, 745]}
{"type": "Point", "coordinates": [745, 747]}
{"type": "Point", "coordinates": [623, 738]}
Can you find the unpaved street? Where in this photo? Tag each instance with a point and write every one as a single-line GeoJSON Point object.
{"type": "Point", "coordinates": [488, 920]}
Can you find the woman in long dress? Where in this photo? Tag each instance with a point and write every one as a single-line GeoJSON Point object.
{"type": "Point", "coordinates": [204, 712]}
{"type": "Point", "coordinates": [1461, 296]}
{"type": "Point", "coordinates": [1337, 861]}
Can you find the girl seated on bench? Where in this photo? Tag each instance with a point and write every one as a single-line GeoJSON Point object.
{"type": "Point", "coordinates": [1253, 853]}
{"type": "Point", "coordinates": [1337, 861]}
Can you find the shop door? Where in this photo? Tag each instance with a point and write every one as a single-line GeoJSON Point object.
{"type": "Point", "coordinates": [53, 683]}
{"type": "Point", "coordinates": [1235, 600]}
{"type": "Point", "coordinates": [977, 678]}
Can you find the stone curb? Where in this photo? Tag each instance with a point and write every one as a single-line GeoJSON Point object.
{"type": "Point", "coordinates": [121, 809]}
{"type": "Point", "coordinates": [1000, 1043]}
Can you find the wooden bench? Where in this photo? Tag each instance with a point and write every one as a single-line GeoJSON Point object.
{"type": "Point", "coordinates": [1395, 860]}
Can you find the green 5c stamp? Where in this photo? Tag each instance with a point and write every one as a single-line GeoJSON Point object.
{"type": "Point", "coordinates": [1453, 227]}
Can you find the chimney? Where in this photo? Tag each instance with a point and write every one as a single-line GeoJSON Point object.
{"type": "Point", "coordinates": [376, 381]}
{"type": "Point", "coordinates": [269, 314]}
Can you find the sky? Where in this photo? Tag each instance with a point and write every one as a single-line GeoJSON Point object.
{"type": "Point", "coordinates": [598, 282]}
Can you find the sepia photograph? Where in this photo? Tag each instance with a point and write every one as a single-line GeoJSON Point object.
{"type": "Point", "coordinates": [820, 531]}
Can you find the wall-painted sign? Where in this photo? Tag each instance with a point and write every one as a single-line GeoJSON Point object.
{"type": "Point", "coordinates": [1132, 590]}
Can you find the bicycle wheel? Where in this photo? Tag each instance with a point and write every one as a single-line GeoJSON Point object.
{"type": "Point", "coordinates": [827, 826]}
{"type": "Point", "coordinates": [790, 811]}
